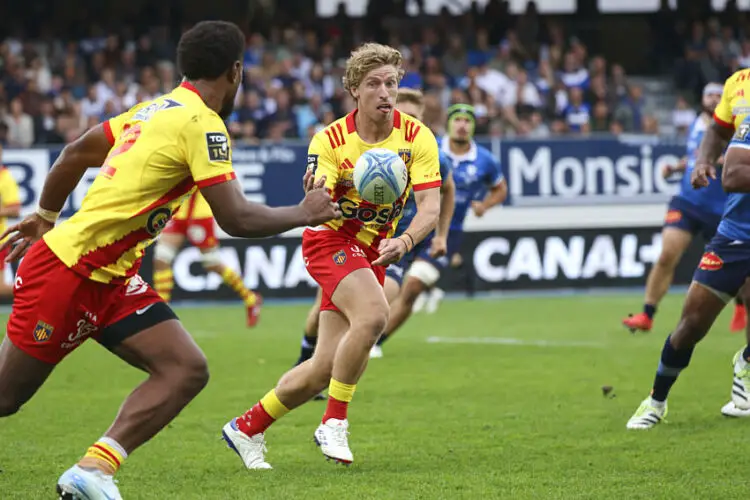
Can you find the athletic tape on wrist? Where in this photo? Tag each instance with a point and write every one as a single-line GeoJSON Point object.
{"type": "Point", "coordinates": [47, 215]}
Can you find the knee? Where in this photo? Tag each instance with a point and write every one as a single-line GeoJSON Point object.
{"type": "Point", "coordinates": [189, 373]}
{"type": "Point", "coordinates": [373, 321]}
{"type": "Point", "coordinates": [667, 259]}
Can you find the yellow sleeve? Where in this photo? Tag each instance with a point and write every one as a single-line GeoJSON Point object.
{"type": "Point", "coordinates": [425, 166]}
{"type": "Point", "coordinates": [723, 114]}
{"type": "Point", "coordinates": [208, 152]}
{"type": "Point", "coordinates": [321, 160]}
{"type": "Point", "coordinates": [9, 195]}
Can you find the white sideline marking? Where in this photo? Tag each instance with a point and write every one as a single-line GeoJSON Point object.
{"type": "Point", "coordinates": [511, 341]}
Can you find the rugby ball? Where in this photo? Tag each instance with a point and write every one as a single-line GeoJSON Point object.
{"type": "Point", "coordinates": [380, 176]}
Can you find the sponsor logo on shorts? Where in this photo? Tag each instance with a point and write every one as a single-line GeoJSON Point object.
{"type": "Point", "coordinates": [157, 220]}
{"type": "Point", "coordinates": [43, 331]}
{"type": "Point", "coordinates": [339, 258]}
{"type": "Point", "coordinates": [197, 233]}
{"type": "Point", "coordinates": [673, 217]}
{"type": "Point", "coordinates": [357, 251]}
{"type": "Point", "coordinates": [136, 286]}
{"type": "Point", "coordinates": [218, 146]}
{"type": "Point", "coordinates": [742, 131]}
{"type": "Point", "coordinates": [84, 329]}
{"type": "Point", "coordinates": [710, 262]}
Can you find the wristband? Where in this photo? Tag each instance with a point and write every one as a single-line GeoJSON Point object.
{"type": "Point", "coordinates": [412, 239]}
{"type": "Point", "coordinates": [47, 215]}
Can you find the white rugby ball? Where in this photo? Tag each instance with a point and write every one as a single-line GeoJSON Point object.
{"type": "Point", "coordinates": [380, 176]}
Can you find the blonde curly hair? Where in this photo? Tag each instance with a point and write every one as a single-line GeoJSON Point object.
{"type": "Point", "coordinates": [368, 57]}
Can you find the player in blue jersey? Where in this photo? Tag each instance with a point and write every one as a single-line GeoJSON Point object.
{"type": "Point", "coordinates": [410, 102]}
{"type": "Point", "coordinates": [475, 171]}
{"type": "Point", "coordinates": [690, 212]}
{"type": "Point", "coordinates": [721, 274]}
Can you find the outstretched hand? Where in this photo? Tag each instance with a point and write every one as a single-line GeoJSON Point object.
{"type": "Point", "coordinates": [23, 235]}
{"type": "Point", "coordinates": [701, 174]}
{"type": "Point", "coordinates": [318, 203]}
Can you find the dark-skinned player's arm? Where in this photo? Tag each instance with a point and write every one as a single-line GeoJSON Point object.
{"type": "Point", "coordinates": [735, 177]}
{"type": "Point", "coordinates": [89, 150]}
{"type": "Point", "coordinates": [714, 141]}
{"type": "Point", "coordinates": [208, 154]}
{"type": "Point", "coordinates": [425, 175]}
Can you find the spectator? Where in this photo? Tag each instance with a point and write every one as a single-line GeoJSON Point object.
{"type": "Point", "coordinates": [91, 105]}
{"type": "Point", "coordinates": [45, 125]}
{"type": "Point", "coordinates": [574, 75]}
{"type": "Point", "coordinates": [283, 122]}
{"type": "Point", "coordinates": [630, 112]}
{"type": "Point", "coordinates": [20, 126]}
{"type": "Point", "coordinates": [455, 61]}
{"type": "Point", "coordinates": [683, 116]}
{"type": "Point", "coordinates": [600, 119]}
{"type": "Point", "coordinates": [577, 114]}
{"type": "Point", "coordinates": [713, 68]}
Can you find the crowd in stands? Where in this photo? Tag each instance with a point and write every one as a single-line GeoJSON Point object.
{"type": "Point", "coordinates": [526, 78]}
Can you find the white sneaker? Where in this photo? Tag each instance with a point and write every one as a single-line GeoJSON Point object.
{"type": "Point", "coordinates": [730, 410]}
{"type": "Point", "coordinates": [376, 352]}
{"type": "Point", "coordinates": [333, 441]}
{"type": "Point", "coordinates": [741, 382]}
{"type": "Point", "coordinates": [78, 483]}
{"type": "Point", "coordinates": [251, 449]}
{"type": "Point", "coordinates": [436, 296]}
{"type": "Point", "coordinates": [420, 302]}
{"type": "Point", "coordinates": [648, 414]}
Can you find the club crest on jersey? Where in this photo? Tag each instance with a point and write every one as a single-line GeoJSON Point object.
{"type": "Point", "coordinates": [43, 331]}
{"type": "Point", "coordinates": [218, 146]}
{"type": "Point", "coordinates": [339, 258]}
{"type": "Point", "coordinates": [157, 220]}
{"type": "Point", "coordinates": [710, 262]}
{"type": "Point", "coordinates": [673, 217]}
{"type": "Point", "coordinates": [405, 155]}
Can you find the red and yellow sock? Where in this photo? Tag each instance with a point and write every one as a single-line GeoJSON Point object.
{"type": "Point", "coordinates": [164, 283]}
{"type": "Point", "coordinates": [260, 417]}
{"type": "Point", "coordinates": [106, 455]}
{"type": "Point", "coordinates": [234, 281]}
{"type": "Point", "coordinates": [339, 397]}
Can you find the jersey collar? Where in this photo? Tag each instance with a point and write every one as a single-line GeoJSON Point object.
{"type": "Point", "coordinates": [471, 155]}
{"type": "Point", "coordinates": [189, 86]}
{"type": "Point", "coordinates": [351, 125]}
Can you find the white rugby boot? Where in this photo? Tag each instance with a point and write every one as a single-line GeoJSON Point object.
{"type": "Point", "coordinates": [648, 414]}
{"type": "Point", "coordinates": [332, 437]}
{"type": "Point", "coordinates": [251, 449]}
{"type": "Point", "coordinates": [78, 483]}
{"type": "Point", "coordinates": [741, 382]}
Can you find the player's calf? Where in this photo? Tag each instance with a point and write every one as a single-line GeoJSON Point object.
{"type": "Point", "coordinates": [21, 375]}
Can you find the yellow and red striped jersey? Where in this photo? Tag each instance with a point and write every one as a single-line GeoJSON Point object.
{"type": "Point", "coordinates": [734, 107]}
{"type": "Point", "coordinates": [162, 151]}
{"type": "Point", "coordinates": [9, 196]}
{"type": "Point", "coordinates": [196, 207]}
{"type": "Point", "coordinates": [335, 150]}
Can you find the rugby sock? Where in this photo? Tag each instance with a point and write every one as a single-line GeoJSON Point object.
{"type": "Point", "coordinates": [234, 281]}
{"type": "Point", "coordinates": [106, 455]}
{"type": "Point", "coordinates": [671, 364]}
{"type": "Point", "coordinates": [260, 417]}
{"type": "Point", "coordinates": [649, 310]}
{"type": "Point", "coordinates": [164, 283]}
{"type": "Point", "coordinates": [746, 353]}
{"type": "Point", "coordinates": [339, 397]}
{"type": "Point", "coordinates": [307, 349]}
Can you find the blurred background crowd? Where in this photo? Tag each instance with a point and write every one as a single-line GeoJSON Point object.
{"type": "Point", "coordinates": [527, 75]}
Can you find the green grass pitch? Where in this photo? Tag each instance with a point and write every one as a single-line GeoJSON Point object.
{"type": "Point", "coordinates": [429, 420]}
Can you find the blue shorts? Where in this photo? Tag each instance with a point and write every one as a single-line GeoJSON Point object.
{"type": "Point", "coordinates": [455, 238]}
{"type": "Point", "coordinates": [724, 265]}
{"type": "Point", "coordinates": [684, 215]}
